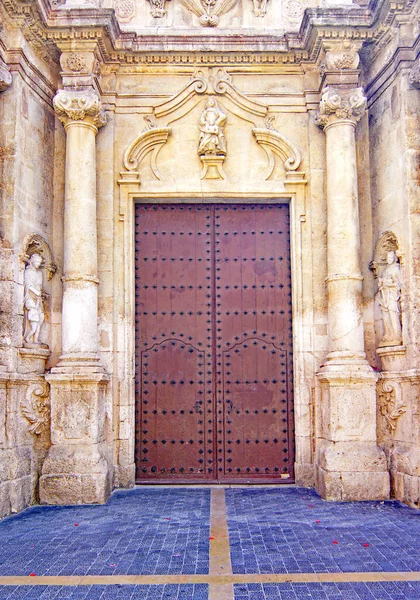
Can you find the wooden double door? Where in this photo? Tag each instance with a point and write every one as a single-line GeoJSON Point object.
{"type": "Point", "coordinates": [214, 393]}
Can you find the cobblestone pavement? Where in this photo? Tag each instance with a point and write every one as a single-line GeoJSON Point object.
{"type": "Point", "coordinates": [187, 543]}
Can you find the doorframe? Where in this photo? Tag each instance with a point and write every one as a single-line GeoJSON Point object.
{"type": "Point", "coordinates": [304, 364]}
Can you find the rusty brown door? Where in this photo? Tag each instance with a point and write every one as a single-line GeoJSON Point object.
{"type": "Point", "coordinates": [214, 395]}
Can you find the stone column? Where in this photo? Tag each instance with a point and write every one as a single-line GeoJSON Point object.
{"type": "Point", "coordinates": [76, 469]}
{"type": "Point", "coordinates": [349, 464]}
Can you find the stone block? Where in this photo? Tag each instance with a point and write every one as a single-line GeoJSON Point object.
{"type": "Point", "coordinates": [304, 475]}
{"type": "Point", "coordinates": [124, 476]}
{"type": "Point", "coordinates": [411, 493]}
{"type": "Point", "coordinates": [4, 499]}
{"type": "Point", "coordinates": [22, 493]}
{"type": "Point", "coordinates": [74, 489]}
{"type": "Point", "coordinates": [365, 486]}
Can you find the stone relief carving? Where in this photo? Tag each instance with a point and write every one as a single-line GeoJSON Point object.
{"type": "Point", "coordinates": [214, 83]}
{"type": "Point", "coordinates": [79, 105]}
{"type": "Point", "coordinates": [294, 10]}
{"type": "Point", "coordinates": [386, 268]}
{"type": "Point", "coordinates": [209, 11]}
{"type": "Point", "coordinates": [35, 407]}
{"type": "Point", "coordinates": [5, 76]}
{"type": "Point", "coordinates": [76, 63]}
{"type": "Point", "coordinates": [341, 56]}
{"type": "Point", "coordinates": [212, 143]}
{"type": "Point", "coordinates": [415, 75]}
{"type": "Point", "coordinates": [390, 403]}
{"type": "Point", "coordinates": [35, 243]}
{"type": "Point", "coordinates": [157, 8]}
{"type": "Point", "coordinates": [260, 7]}
{"type": "Point", "coordinates": [125, 10]}
{"type": "Point", "coordinates": [341, 105]}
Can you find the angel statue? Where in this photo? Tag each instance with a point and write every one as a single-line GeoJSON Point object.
{"type": "Point", "coordinates": [212, 140]}
{"type": "Point", "coordinates": [388, 296]}
{"type": "Point", "coordinates": [32, 301]}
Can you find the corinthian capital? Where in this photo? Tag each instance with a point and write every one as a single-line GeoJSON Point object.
{"type": "Point", "coordinates": [341, 105]}
{"type": "Point", "coordinates": [73, 106]}
{"type": "Point", "coordinates": [5, 77]}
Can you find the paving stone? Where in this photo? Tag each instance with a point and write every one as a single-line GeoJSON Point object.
{"type": "Point", "coordinates": [276, 531]}
{"type": "Point", "coordinates": [108, 592]}
{"type": "Point", "coordinates": [138, 532]}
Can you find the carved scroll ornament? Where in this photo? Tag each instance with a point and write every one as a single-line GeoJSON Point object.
{"type": "Point", "coordinates": [35, 407]}
{"type": "Point", "coordinates": [390, 404]}
{"type": "Point", "coordinates": [79, 106]}
{"type": "Point", "coordinates": [339, 105]}
{"type": "Point", "coordinates": [209, 11]}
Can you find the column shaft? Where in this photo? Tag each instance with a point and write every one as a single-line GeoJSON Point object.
{"type": "Point", "coordinates": [344, 279]}
{"type": "Point", "coordinates": [80, 296]}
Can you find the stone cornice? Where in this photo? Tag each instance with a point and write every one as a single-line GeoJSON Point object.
{"type": "Point", "coordinates": [75, 106]}
{"type": "Point", "coordinates": [51, 24]}
{"type": "Point", "coordinates": [341, 105]}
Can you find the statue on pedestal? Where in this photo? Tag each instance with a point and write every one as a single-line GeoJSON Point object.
{"type": "Point", "coordinates": [212, 139]}
{"type": "Point", "coordinates": [32, 301]}
{"type": "Point", "coordinates": [388, 296]}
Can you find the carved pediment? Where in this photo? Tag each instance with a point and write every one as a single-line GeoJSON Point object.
{"type": "Point", "coordinates": [213, 84]}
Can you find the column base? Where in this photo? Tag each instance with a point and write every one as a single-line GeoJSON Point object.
{"type": "Point", "coordinates": [351, 471]}
{"type": "Point", "coordinates": [77, 467]}
{"type": "Point", "coordinates": [75, 475]}
{"type": "Point", "coordinates": [78, 364]}
{"type": "Point", "coordinates": [349, 465]}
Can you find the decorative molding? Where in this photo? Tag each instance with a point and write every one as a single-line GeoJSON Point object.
{"type": "Point", "coordinates": [150, 140]}
{"type": "Point", "coordinates": [5, 76]}
{"type": "Point", "coordinates": [209, 11]}
{"type": "Point", "coordinates": [341, 105]}
{"type": "Point", "coordinates": [72, 105]}
{"type": "Point", "coordinates": [415, 75]}
{"type": "Point", "coordinates": [390, 404]}
{"type": "Point", "coordinates": [76, 62]}
{"type": "Point", "coordinates": [259, 7]}
{"type": "Point", "coordinates": [341, 61]}
{"type": "Point", "coordinates": [36, 244]}
{"type": "Point", "coordinates": [212, 82]}
{"type": "Point", "coordinates": [274, 144]}
{"type": "Point", "coordinates": [157, 8]}
{"type": "Point", "coordinates": [36, 407]}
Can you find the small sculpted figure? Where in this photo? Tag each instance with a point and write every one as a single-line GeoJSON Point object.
{"type": "Point", "coordinates": [388, 296]}
{"type": "Point", "coordinates": [260, 7]}
{"type": "Point", "coordinates": [212, 139]}
{"type": "Point", "coordinates": [34, 311]}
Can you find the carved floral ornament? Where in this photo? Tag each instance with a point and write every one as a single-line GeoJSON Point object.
{"type": "Point", "coordinates": [390, 403]}
{"type": "Point", "coordinates": [79, 106]}
{"type": "Point", "coordinates": [208, 11]}
{"type": "Point", "coordinates": [216, 84]}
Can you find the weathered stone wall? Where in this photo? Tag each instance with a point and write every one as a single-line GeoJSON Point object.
{"type": "Point", "coordinates": [394, 128]}
{"type": "Point", "coordinates": [27, 160]}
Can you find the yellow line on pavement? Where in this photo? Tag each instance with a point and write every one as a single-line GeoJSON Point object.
{"type": "Point", "coordinates": [220, 563]}
{"type": "Point", "coordinates": [216, 580]}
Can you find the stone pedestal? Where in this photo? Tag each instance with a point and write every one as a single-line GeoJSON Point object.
{"type": "Point", "coordinates": [32, 360]}
{"type": "Point", "coordinates": [349, 464]}
{"type": "Point", "coordinates": [76, 469]}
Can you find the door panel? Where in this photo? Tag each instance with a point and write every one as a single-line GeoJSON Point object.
{"type": "Point", "coordinates": [213, 337]}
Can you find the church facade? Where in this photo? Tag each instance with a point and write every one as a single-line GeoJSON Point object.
{"type": "Point", "coordinates": [209, 267]}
